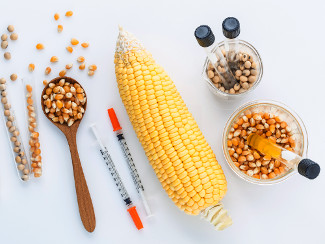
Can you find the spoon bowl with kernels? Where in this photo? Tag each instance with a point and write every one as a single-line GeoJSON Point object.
{"type": "Point", "coordinates": [64, 103]}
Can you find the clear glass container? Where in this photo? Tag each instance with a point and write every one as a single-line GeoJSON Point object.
{"type": "Point", "coordinates": [286, 114]}
{"type": "Point", "coordinates": [34, 147]}
{"type": "Point", "coordinates": [14, 137]}
{"type": "Point", "coordinates": [243, 46]}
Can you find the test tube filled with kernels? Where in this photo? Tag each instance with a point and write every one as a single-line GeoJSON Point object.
{"type": "Point", "coordinates": [34, 143]}
{"type": "Point", "coordinates": [13, 132]}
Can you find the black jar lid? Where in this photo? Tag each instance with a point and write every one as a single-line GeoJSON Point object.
{"type": "Point", "coordinates": [204, 36]}
{"type": "Point", "coordinates": [231, 27]}
{"type": "Point", "coordinates": [308, 168]}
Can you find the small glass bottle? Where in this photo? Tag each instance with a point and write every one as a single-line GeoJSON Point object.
{"type": "Point", "coordinates": [304, 166]}
{"type": "Point", "coordinates": [206, 39]}
{"type": "Point", "coordinates": [231, 30]}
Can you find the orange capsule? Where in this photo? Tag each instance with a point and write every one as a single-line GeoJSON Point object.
{"type": "Point", "coordinates": [47, 70]}
{"type": "Point", "coordinates": [69, 49]}
{"type": "Point", "coordinates": [74, 41]}
{"type": "Point", "coordinates": [85, 44]}
{"type": "Point", "coordinates": [56, 16]}
{"type": "Point", "coordinates": [82, 66]}
{"type": "Point", "coordinates": [39, 46]}
{"type": "Point", "coordinates": [81, 59]}
{"type": "Point", "coordinates": [62, 73]}
{"type": "Point", "coordinates": [54, 59]}
{"type": "Point", "coordinates": [92, 67]}
{"type": "Point", "coordinates": [69, 13]}
{"type": "Point", "coordinates": [31, 67]}
{"type": "Point", "coordinates": [60, 28]}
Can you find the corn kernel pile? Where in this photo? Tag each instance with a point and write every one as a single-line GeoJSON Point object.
{"type": "Point", "coordinates": [64, 102]}
{"type": "Point", "coordinates": [250, 161]}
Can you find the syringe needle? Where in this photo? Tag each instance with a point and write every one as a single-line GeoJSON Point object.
{"type": "Point", "coordinates": [127, 154]}
{"type": "Point", "coordinates": [117, 179]}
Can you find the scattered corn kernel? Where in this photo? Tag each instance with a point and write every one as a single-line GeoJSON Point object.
{"type": "Point", "coordinates": [74, 41]}
{"type": "Point", "coordinates": [60, 28]}
{"type": "Point", "coordinates": [69, 13]}
{"type": "Point", "coordinates": [54, 59]}
{"type": "Point", "coordinates": [48, 70]}
{"type": "Point", "coordinates": [45, 82]}
{"type": "Point", "coordinates": [39, 46]}
{"type": "Point", "coordinates": [85, 44]}
{"type": "Point", "coordinates": [91, 73]}
{"type": "Point", "coordinates": [82, 66]}
{"type": "Point", "coordinates": [31, 67]}
{"type": "Point", "coordinates": [69, 66]}
{"type": "Point", "coordinates": [92, 67]}
{"type": "Point", "coordinates": [81, 59]}
{"type": "Point", "coordinates": [56, 16]}
{"type": "Point", "coordinates": [69, 49]}
{"type": "Point", "coordinates": [62, 73]}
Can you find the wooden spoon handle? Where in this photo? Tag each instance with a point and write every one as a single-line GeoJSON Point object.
{"type": "Point", "coordinates": [85, 204]}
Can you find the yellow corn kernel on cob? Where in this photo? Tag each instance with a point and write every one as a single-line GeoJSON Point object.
{"type": "Point", "coordinates": [182, 159]}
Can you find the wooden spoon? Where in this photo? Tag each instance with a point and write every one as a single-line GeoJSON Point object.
{"type": "Point", "coordinates": [86, 208]}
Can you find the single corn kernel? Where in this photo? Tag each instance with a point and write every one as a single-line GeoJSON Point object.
{"type": "Point", "coordinates": [60, 28]}
{"type": "Point", "coordinates": [54, 59]}
{"type": "Point", "coordinates": [45, 82]}
{"type": "Point", "coordinates": [31, 67]}
{"type": "Point", "coordinates": [69, 49]}
{"type": "Point", "coordinates": [85, 44]}
{"type": "Point", "coordinates": [39, 46]}
{"type": "Point", "coordinates": [91, 73]}
{"type": "Point", "coordinates": [29, 88]}
{"type": "Point", "coordinates": [82, 66]}
{"type": "Point", "coordinates": [69, 66]}
{"type": "Point", "coordinates": [56, 16]}
{"type": "Point", "coordinates": [69, 13]}
{"type": "Point", "coordinates": [92, 67]}
{"type": "Point", "coordinates": [62, 73]}
{"type": "Point", "coordinates": [74, 41]}
{"type": "Point", "coordinates": [81, 59]}
{"type": "Point", "coordinates": [47, 70]}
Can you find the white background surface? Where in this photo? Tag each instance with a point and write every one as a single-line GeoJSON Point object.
{"type": "Point", "coordinates": [290, 38]}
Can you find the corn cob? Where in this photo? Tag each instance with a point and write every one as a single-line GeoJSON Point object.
{"type": "Point", "coordinates": [180, 156]}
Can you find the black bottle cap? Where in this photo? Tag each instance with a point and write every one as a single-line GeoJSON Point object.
{"type": "Point", "coordinates": [308, 168]}
{"type": "Point", "coordinates": [204, 36]}
{"type": "Point", "coordinates": [231, 27]}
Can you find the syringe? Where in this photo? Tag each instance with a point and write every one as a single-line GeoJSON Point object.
{"type": "Point", "coordinates": [127, 154]}
{"type": "Point", "coordinates": [117, 180]}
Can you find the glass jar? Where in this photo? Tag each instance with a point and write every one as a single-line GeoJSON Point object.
{"type": "Point", "coordinates": [286, 114]}
{"type": "Point", "coordinates": [244, 47]}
